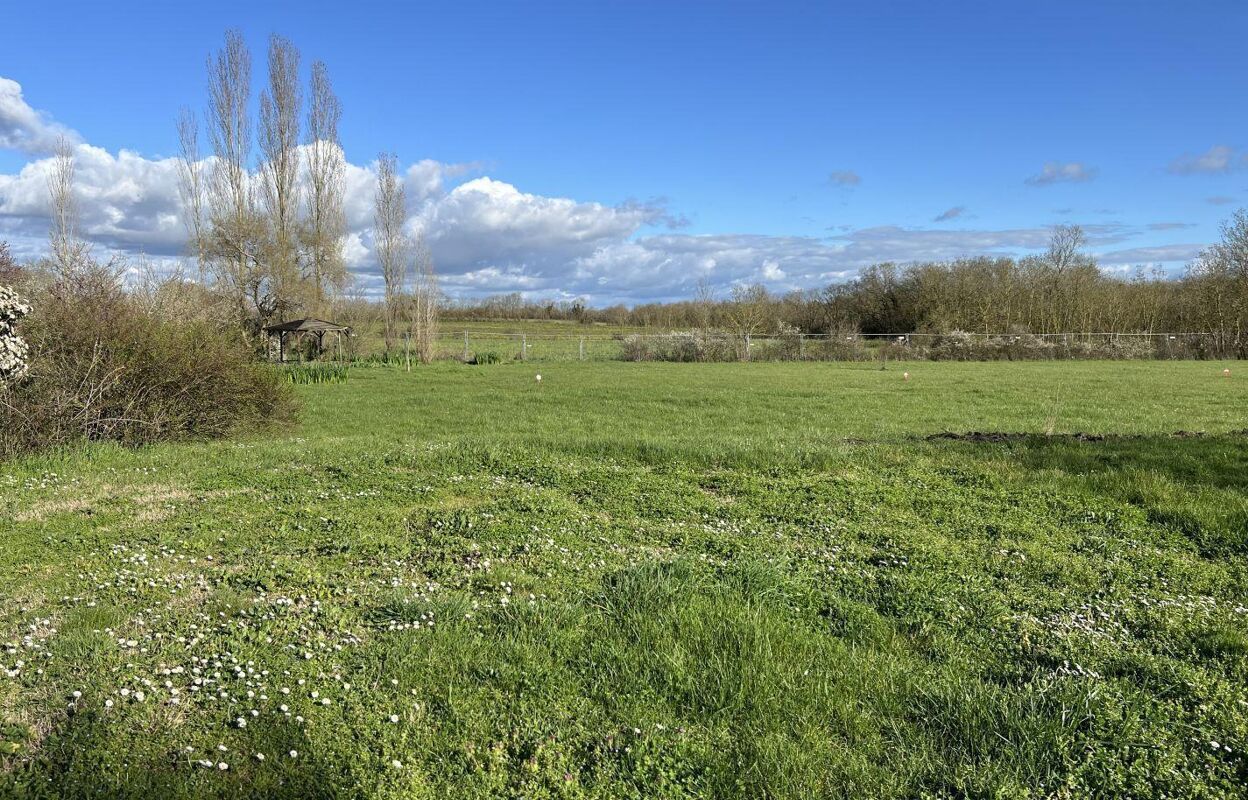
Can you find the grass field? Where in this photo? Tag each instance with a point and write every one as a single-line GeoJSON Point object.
{"type": "Point", "coordinates": [648, 581]}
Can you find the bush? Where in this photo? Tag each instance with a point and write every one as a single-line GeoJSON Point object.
{"type": "Point", "coordinates": [13, 350]}
{"type": "Point", "coordinates": [102, 367]}
{"type": "Point", "coordinates": [684, 346]}
{"type": "Point", "coordinates": [962, 346]}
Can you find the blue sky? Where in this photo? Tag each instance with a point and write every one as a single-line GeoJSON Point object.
{"type": "Point", "coordinates": [785, 142]}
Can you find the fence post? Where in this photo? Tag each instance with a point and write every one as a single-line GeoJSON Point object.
{"type": "Point", "coordinates": [524, 347]}
{"type": "Point", "coordinates": [747, 347]}
{"type": "Point", "coordinates": [582, 349]}
{"type": "Point", "coordinates": [801, 346]}
{"type": "Point", "coordinates": [407, 350]}
{"type": "Point", "coordinates": [466, 347]}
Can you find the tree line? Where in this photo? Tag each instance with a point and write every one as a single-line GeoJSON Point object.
{"type": "Point", "coordinates": [1062, 290]}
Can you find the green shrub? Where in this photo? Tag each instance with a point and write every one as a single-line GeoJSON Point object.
{"type": "Point", "coordinates": [103, 367]}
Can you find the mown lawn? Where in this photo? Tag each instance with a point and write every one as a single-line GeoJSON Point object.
{"type": "Point", "coordinates": [647, 580]}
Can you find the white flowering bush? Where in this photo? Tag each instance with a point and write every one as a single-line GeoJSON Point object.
{"type": "Point", "coordinates": [14, 353]}
{"type": "Point", "coordinates": [684, 346]}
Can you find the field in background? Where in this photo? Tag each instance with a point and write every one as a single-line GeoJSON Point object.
{"type": "Point", "coordinates": [539, 341]}
{"type": "Point", "coordinates": [648, 580]}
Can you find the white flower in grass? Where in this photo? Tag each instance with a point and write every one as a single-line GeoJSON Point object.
{"type": "Point", "coordinates": [394, 717]}
{"type": "Point", "coordinates": [397, 764]}
{"type": "Point", "coordinates": [223, 766]}
{"type": "Point", "coordinates": [294, 753]}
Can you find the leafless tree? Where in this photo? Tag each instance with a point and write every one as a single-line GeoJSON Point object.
{"type": "Point", "coordinates": [749, 313]}
{"type": "Point", "coordinates": [391, 242]}
{"type": "Point", "coordinates": [280, 110]}
{"type": "Point", "coordinates": [236, 242]}
{"type": "Point", "coordinates": [326, 223]}
{"type": "Point", "coordinates": [1219, 278]}
{"type": "Point", "coordinates": [1065, 246]}
{"type": "Point", "coordinates": [191, 187]}
{"type": "Point", "coordinates": [10, 270]}
{"type": "Point", "coordinates": [68, 251]}
{"type": "Point", "coordinates": [424, 305]}
{"type": "Point", "coordinates": [704, 304]}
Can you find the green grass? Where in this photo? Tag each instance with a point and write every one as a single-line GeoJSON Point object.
{"type": "Point", "coordinates": [647, 580]}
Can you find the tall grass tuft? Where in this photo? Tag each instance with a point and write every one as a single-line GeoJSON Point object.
{"type": "Point", "coordinates": [304, 374]}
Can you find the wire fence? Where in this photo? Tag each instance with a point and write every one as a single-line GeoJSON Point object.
{"type": "Point", "coordinates": [492, 346]}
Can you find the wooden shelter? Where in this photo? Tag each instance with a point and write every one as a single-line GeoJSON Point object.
{"type": "Point", "coordinates": [304, 329]}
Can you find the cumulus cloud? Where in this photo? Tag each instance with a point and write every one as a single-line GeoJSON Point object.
{"type": "Point", "coordinates": [1059, 172]}
{"type": "Point", "coordinates": [488, 236]}
{"type": "Point", "coordinates": [126, 201]}
{"type": "Point", "coordinates": [25, 129]}
{"type": "Point", "coordinates": [1217, 159]}
{"type": "Point", "coordinates": [844, 177]}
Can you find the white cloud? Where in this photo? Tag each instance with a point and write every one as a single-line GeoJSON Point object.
{"type": "Point", "coordinates": [1144, 256]}
{"type": "Point", "coordinates": [485, 220]}
{"type": "Point", "coordinates": [126, 202]}
{"type": "Point", "coordinates": [22, 127]}
{"type": "Point", "coordinates": [488, 236]}
{"type": "Point", "coordinates": [1058, 172]}
{"type": "Point", "coordinates": [1217, 159]}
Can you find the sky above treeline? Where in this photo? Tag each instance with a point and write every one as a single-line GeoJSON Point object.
{"type": "Point", "coordinates": [622, 152]}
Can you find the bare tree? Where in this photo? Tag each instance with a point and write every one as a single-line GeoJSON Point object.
{"type": "Point", "coordinates": [749, 313]}
{"type": "Point", "coordinates": [68, 251]}
{"type": "Point", "coordinates": [326, 223]}
{"type": "Point", "coordinates": [1062, 258]}
{"type": "Point", "coordinates": [280, 109]}
{"type": "Point", "coordinates": [704, 303]}
{"type": "Point", "coordinates": [10, 270]}
{"type": "Point", "coordinates": [1065, 246]}
{"type": "Point", "coordinates": [237, 236]}
{"type": "Point", "coordinates": [424, 305]}
{"type": "Point", "coordinates": [391, 243]}
{"type": "Point", "coordinates": [191, 187]}
{"type": "Point", "coordinates": [1220, 278]}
